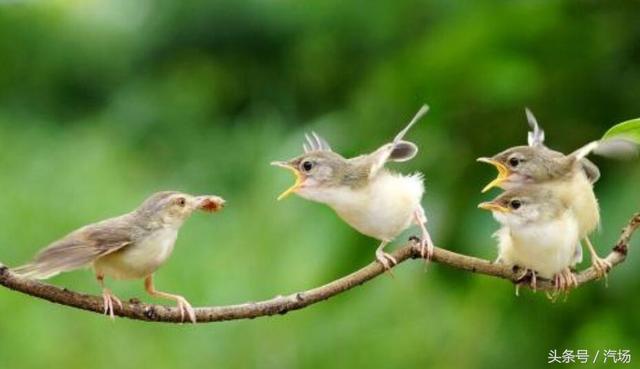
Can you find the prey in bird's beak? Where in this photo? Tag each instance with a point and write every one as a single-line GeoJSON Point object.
{"type": "Point", "coordinates": [493, 206]}
{"type": "Point", "coordinates": [210, 204]}
{"type": "Point", "coordinates": [503, 173]}
{"type": "Point", "coordinates": [299, 178]}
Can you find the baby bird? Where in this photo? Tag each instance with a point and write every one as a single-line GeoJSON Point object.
{"type": "Point", "coordinates": [130, 246]}
{"type": "Point", "coordinates": [568, 177]}
{"type": "Point", "coordinates": [539, 233]}
{"type": "Point", "coordinates": [375, 201]}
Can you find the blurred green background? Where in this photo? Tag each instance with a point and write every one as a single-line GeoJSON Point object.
{"type": "Point", "coordinates": [105, 102]}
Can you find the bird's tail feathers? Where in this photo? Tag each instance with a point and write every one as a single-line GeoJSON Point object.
{"type": "Point", "coordinates": [58, 259]}
{"type": "Point", "coordinates": [36, 271]}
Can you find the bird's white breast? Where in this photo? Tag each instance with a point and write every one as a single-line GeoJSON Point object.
{"type": "Point", "coordinates": [141, 259]}
{"type": "Point", "coordinates": [546, 247]}
{"type": "Point", "coordinates": [383, 208]}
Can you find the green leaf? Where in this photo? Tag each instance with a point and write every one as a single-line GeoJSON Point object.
{"type": "Point", "coordinates": [629, 129]}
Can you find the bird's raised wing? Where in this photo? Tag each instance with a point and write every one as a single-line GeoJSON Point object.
{"type": "Point", "coordinates": [79, 248]}
{"type": "Point", "coordinates": [591, 170]}
{"type": "Point", "coordinates": [315, 143]}
{"type": "Point", "coordinates": [618, 148]}
{"type": "Point", "coordinates": [535, 137]}
{"type": "Point", "coordinates": [398, 150]}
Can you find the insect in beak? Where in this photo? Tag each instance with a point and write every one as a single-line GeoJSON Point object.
{"type": "Point", "coordinates": [210, 204]}
{"type": "Point", "coordinates": [503, 173]}
{"type": "Point", "coordinates": [492, 206]}
{"type": "Point", "coordinates": [298, 182]}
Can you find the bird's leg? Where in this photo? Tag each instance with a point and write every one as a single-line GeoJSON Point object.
{"type": "Point", "coordinates": [533, 282]}
{"type": "Point", "coordinates": [426, 244]}
{"type": "Point", "coordinates": [570, 282]}
{"type": "Point", "coordinates": [108, 298]}
{"type": "Point", "coordinates": [519, 278]}
{"type": "Point", "coordinates": [183, 304]}
{"type": "Point", "coordinates": [385, 259]}
{"type": "Point", "coordinates": [602, 266]}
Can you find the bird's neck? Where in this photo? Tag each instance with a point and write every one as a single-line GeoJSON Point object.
{"type": "Point", "coordinates": [333, 196]}
{"type": "Point", "coordinates": [157, 223]}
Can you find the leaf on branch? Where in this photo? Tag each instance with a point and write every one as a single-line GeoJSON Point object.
{"type": "Point", "coordinates": [629, 129]}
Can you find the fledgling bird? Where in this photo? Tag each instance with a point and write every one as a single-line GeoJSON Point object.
{"type": "Point", "coordinates": [374, 200]}
{"type": "Point", "coordinates": [568, 177]}
{"type": "Point", "coordinates": [539, 232]}
{"type": "Point", "coordinates": [130, 246]}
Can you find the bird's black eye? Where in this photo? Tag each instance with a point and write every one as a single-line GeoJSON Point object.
{"type": "Point", "coordinates": [515, 204]}
{"type": "Point", "coordinates": [514, 162]}
{"type": "Point", "coordinates": [181, 201]}
{"type": "Point", "coordinates": [307, 165]}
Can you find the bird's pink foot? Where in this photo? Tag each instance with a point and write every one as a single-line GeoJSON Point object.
{"type": "Point", "coordinates": [385, 259]}
{"type": "Point", "coordinates": [565, 280]}
{"type": "Point", "coordinates": [108, 299]}
{"type": "Point", "coordinates": [427, 248]}
{"type": "Point", "coordinates": [602, 266]}
{"type": "Point", "coordinates": [185, 308]}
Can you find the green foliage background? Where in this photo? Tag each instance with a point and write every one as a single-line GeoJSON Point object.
{"type": "Point", "coordinates": [104, 102]}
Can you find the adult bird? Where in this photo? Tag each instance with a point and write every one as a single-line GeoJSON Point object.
{"type": "Point", "coordinates": [130, 246]}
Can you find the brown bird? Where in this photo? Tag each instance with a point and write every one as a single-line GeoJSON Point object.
{"type": "Point", "coordinates": [130, 246]}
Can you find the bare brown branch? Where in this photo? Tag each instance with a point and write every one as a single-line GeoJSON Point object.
{"type": "Point", "coordinates": [299, 300]}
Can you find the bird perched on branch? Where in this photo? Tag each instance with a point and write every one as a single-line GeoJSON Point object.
{"type": "Point", "coordinates": [539, 233]}
{"type": "Point", "coordinates": [130, 246]}
{"type": "Point", "coordinates": [569, 178]}
{"type": "Point", "coordinates": [372, 199]}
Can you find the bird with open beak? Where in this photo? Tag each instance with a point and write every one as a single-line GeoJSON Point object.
{"type": "Point", "coordinates": [374, 200]}
{"type": "Point", "coordinates": [539, 233]}
{"type": "Point", "coordinates": [568, 177]}
{"type": "Point", "coordinates": [130, 246]}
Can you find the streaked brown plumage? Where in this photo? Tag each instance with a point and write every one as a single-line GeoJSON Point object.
{"type": "Point", "coordinates": [130, 246]}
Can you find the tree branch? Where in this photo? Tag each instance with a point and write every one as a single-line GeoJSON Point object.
{"type": "Point", "coordinates": [282, 304]}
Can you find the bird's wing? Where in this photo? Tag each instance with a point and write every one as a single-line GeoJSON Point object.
{"type": "Point", "coordinates": [535, 137]}
{"type": "Point", "coordinates": [398, 150]}
{"type": "Point", "coordinates": [79, 249]}
{"type": "Point", "coordinates": [590, 169]}
{"type": "Point", "coordinates": [619, 148]}
{"type": "Point", "coordinates": [315, 143]}
{"type": "Point", "coordinates": [577, 256]}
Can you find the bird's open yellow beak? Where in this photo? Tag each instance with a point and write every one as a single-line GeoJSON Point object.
{"type": "Point", "coordinates": [492, 206]}
{"type": "Point", "coordinates": [298, 182]}
{"type": "Point", "coordinates": [503, 173]}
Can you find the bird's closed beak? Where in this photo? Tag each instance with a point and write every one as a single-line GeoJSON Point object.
{"type": "Point", "coordinates": [298, 182]}
{"type": "Point", "coordinates": [492, 206]}
{"type": "Point", "coordinates": [210, 204]}
{"type": "Point", "coordinates": [503, 173]}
